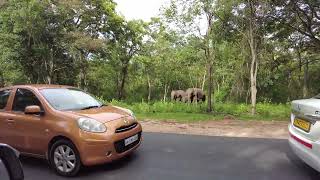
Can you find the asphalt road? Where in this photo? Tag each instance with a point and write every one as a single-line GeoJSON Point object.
{"type": "Point", "coordinates": [184, 157]}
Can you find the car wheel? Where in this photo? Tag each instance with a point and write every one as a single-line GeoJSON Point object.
{"type": "Point", "coordinates": [64, 158]}
{"type": "Point", "coordinates": [12, 166]}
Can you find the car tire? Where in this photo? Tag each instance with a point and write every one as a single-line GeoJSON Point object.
{"type": "Point", "coordinates": [12, 163]}
{"type": "Point", "coordinates": [64, 158]}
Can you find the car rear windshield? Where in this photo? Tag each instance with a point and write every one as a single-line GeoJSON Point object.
{"type": "Point", "coordinates": [69, 99]}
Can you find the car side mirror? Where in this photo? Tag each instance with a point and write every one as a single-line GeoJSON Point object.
{"type": "Point", "coordinates": [10, 164]}
{"type": "Point", "coordinates": [33, 110]}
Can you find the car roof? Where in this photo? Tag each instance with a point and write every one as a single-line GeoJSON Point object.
{"type": "Point", "coordinates": [38, 86]}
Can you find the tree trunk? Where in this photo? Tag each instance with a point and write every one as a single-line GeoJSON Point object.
{"type": "Point", "coordinates": [306, 79]}
{"type": "Point", "coordinates": [49, 74]}
{"type": "Point", "coordinates": [82, 78]}
{"type": "Point", "coordinates": [165, 93]}
{"type": "Point", "coordinates": [166, 88]}
{"type": "Point", "coordinates": [83, 72]}
{"type": "Point", "coordinates": [209, 59]}
{"type": "Point", "coordinates": [254, 61]}
{"type": "Point", "coordinates": [300, 65]}
{"type": "Point", "coordinates": [124, 74]}
{"type": "Point", "coordinates": [191, 81]}
{"type": "Point", "coordinates": [203, 81]}
{"type": "Point", "coordinates": [253, 82]}
{"type": "Point", "coordinates": [49, 67]}
{"type": "Point", "coordinates": [48, 79]}
{"type": "Point", "coordinates": [149, 89]}
{"type": "Point", "coordinates": [209, 88]}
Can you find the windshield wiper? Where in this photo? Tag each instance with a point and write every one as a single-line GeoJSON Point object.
{"type": "Point", "coordinates": [90, 107]}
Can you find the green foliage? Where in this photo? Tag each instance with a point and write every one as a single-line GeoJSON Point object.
{"type": "Point", "coordinates": [265, 111]}
{"type": "Point", "coordinates": [89, 45]}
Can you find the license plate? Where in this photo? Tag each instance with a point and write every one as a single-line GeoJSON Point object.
{"type": "Point", "coordinates": [131, 140]}
{"type": "Point", "coordinates": [302, 124]}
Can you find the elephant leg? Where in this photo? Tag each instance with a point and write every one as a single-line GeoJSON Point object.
{"type": "Point", "coordinates": [204, 98]}
{"type": "Point", "coordinates": [181, 98]}
{"type": "Point", "coordinates": [199, 99]}
{"type": "Point", "coordinates": [173, 97]}
{"type": "Point", "coordinates": [192, 98]}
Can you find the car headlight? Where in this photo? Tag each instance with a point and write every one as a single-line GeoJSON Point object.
{"type": "Point", "coordinates": [91, 125]}
{"type": "Point", "coordinates": [131, 113]}
{"type": "Point", "coordinates": [127, 111]}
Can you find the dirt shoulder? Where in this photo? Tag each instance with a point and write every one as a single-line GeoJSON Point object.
{"type": "Point", "coordinates": [229, 128]}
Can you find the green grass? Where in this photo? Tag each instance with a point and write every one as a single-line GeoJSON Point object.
{"type": "Point", "coordinates": [182, 112]}
{"type": "Point", "coordinates": [179, 117]}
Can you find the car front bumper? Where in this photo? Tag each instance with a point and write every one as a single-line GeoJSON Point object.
{"type": "Point", "coordinates": [100, 151]}
{"type": "Point", "coordinates": [306, 150]}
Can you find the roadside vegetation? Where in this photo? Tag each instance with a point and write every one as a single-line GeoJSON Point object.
{"type": "Point", "coordinates": [251, 57]}
{"type": "Point", "coordinates": [183, 112]}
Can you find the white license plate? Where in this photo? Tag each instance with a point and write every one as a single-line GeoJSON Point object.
{"type": "Point", "coordinates": [131, 140]}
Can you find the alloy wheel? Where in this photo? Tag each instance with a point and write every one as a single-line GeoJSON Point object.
{"type": "Point", "coordinates": [64, 158]}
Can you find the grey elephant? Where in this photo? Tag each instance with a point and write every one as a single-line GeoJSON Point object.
{"type": "Point", "coordinates": [195, 95]}
{"type": "Point", "coordinates": [178, 95]}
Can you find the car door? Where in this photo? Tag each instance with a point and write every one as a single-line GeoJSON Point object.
{"type": "Point", "coordinates": [29, 130]}
{"type": "Point", "coordinates": [5, 123]}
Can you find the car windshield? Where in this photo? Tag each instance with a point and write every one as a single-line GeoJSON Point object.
{"type": "Point", "coordinates": [69, 99]}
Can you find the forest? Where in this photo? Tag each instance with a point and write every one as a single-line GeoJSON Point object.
{"type": "Point", "coordinates": [240, 52]}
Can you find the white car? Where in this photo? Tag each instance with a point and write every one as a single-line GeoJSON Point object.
{"type": "Point", "coordinates": [304, 130]}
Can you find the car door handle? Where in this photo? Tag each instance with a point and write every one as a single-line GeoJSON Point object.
{"type": "Point", "coordinates": [10, 120]}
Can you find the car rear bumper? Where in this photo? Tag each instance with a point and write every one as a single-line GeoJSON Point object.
{"type": "Point", "coordinates": [100, 152]}
{"type": "Point", "coordinates": [306, 150]}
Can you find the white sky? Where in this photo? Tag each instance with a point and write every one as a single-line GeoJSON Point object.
{"type": "Point", "coordinates": [140, 9]}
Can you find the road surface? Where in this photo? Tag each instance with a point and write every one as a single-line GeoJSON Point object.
{"type": "Point", "coordinates": [185, 157]}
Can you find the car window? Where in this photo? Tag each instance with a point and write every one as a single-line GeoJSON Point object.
{"type": "Point", "coordinates": [24, 98]}
{"type": "Point", "coordinates": [4, 96]}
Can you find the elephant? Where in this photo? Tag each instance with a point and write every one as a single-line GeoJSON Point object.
{"type": "Point", "coordinates": [195, 95]}
{"type": "Point", "coordinates": [178, 95]}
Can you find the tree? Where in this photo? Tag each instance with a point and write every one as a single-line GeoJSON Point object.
{"type": "Point", "coordinates": [250, 16]}
{"type": "Point", "coordinates": [187, 16]}
{"type": "Point", "coordinates": [252, 39]}
{"type": "Point", "coordinates": [57, 38]}
{"type": "Point", "coordinates": [299, 16]}
{"type": "Point", "coordinates": [298, 21]}
{"type": "Point", "coordinates": [125, 45]}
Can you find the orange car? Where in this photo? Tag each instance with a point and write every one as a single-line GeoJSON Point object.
{"type": "Point", "coordinates": [65, 125]}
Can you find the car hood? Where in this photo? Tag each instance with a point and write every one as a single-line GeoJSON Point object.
{"type": "Point", "coordinates": [103, 114]}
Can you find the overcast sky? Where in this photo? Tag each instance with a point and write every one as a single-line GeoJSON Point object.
{"type": "Point", "coordinates": [139, 9]}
